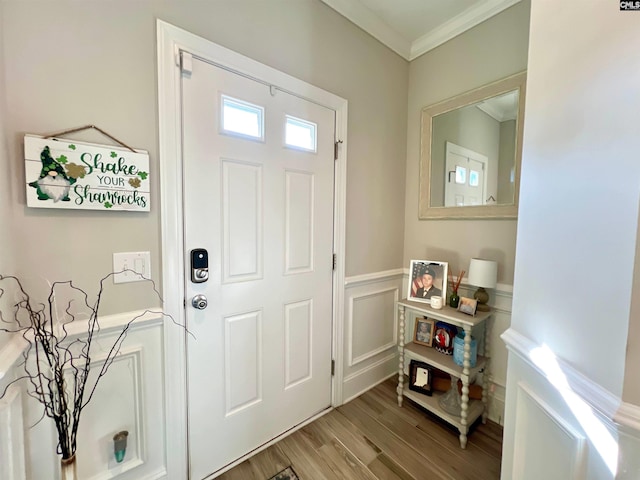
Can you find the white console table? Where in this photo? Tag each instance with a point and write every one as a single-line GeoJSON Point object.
{"type": "Point", "coordinates": [471, 409]}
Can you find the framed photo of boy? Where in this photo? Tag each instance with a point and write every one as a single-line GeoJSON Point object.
{"type": "Point", "coordinates": [427, 278]}
{"type": "Point", "coordinates": [423, 332]}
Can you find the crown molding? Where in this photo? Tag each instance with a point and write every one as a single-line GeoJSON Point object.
{"type": "Point", "coordinates": [457, 25]}
{"type": "Point", "coordinates": [364, 18]}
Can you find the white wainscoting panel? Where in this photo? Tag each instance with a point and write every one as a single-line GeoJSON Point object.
{"type": "Point", "coordinates": [558, 423]}
{"type": "Point", "coordinates": [12, 465]}
{"type": "Point", "coordinates": [370, 335]}
{"type": "Point", "coordinates": [629, 441]}
{"type": "Point", "coordinates": [547, 446]}
{"type": "Point", "coordinates": [119, 395]}
{"type": "Point", "coordinates": [367, 338]}
{"type": "Point", "coordinates": [129, 397]}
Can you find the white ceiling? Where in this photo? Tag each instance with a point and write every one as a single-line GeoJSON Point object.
{"type": "Point", "coordinates": [413, 27]}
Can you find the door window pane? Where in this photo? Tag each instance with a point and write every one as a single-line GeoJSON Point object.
{"type": "Point", "coordinates": [242, 118]}
{"type": "Point", "coordinates": [474, 178]}
{"type": "Point", "coordinates": [461, 175]}
{"type": "Point", "coordinates": [300, 134]}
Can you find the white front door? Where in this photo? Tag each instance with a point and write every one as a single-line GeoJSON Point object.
{"type": "Point", "coordinates": [466, 181]}
{"type": "Point", "coordinates": [258, 197]}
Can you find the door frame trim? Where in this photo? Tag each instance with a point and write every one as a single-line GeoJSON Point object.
{"type": "Point", "coordinates": [170, 41]}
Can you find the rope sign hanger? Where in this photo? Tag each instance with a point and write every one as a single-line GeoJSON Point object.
{"type": "Point", "coordinates": [87, 127]}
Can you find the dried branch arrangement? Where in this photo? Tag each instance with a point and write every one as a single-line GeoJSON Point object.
{"type": "Point", "coordinates": [57, 365]}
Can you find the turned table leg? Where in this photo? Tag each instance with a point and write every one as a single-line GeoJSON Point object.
{"type": "Point", "coordinates": [485, 374]}
{"type": "Point", "coordinates": [466, 363]}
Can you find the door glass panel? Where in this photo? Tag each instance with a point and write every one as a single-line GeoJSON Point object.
{"type": "Point", "coordinates": [242, 118]}
{"type": "Point", "coordinates": [300, 134]}
{"type": "Point", "coordinates": [474, 177]}
{"type": "Point", "coordinates": [461, 175]}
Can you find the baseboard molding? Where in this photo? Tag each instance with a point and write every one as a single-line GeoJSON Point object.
{"type": "Point", "coordinates": [592, 393]}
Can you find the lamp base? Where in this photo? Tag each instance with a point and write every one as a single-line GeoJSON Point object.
{"type": "Point", "coordinates": [482, 297]}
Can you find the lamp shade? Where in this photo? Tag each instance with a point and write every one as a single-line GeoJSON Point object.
{"type": "Point", "coordinates": [483, 273]}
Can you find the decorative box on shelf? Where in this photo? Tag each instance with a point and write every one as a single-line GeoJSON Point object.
{"type": "Point", "coordinates": [470, 410]}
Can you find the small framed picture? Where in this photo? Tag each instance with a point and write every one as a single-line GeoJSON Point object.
{"type": "Point", "coordinates": [468, 305]}
{"type": "Point", "coordinates": [427, 278]}
{"type": "Point", "coordinates": [423, 332]}
{"type": "Point", "coordinates": [420, 375]}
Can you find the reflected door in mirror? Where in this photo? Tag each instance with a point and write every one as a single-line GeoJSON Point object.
{"type": "Point", "coordinates": [466, 182]}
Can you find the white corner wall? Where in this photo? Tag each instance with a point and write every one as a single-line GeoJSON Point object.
{"type": "Point", "coordinates": [577, 235]}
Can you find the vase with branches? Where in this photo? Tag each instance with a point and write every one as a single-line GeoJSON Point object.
{"type": "Point", "coordinates": [56, 365]}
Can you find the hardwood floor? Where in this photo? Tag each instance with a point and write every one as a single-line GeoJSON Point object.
{"type": "Point", "coordinates": [372, 438]}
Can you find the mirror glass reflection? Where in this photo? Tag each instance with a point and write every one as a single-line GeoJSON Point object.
{"type": "Point", "coordinates": [473, 153]}
{"type": "Point", "coordinates": [471, 149]}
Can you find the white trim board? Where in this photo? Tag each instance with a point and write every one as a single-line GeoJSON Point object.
{"type": "Point", "coordinates": [13, 350]}
{"type": "Point", "coordinates": [364, 18]}
{"type": "Point", "coordinates": [373, 277]}
{"type": "Point", "coordinates": [589, 391]}
{"type": "Point", "coordinates": [172, 40]}
{"type": "Point", "coordinates": [502, 289]}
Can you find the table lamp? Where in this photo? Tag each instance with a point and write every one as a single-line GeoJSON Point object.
{"type": "Point", "coordinates": [483, 274]}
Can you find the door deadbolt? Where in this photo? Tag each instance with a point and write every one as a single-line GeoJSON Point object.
{"type": "Point", "coordinates": [200, 302]}
{"type": "Point", "coordinates": [199, 265]}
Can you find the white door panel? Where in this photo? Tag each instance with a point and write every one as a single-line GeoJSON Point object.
{"type": "Point", "coordinates": [260, 361]}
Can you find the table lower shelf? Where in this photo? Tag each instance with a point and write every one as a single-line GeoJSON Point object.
{"type": "Point", "coordinates": [476, 407]}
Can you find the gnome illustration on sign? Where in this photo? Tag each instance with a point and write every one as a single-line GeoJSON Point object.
{"type": "Point", "coordinates": [53, 182]}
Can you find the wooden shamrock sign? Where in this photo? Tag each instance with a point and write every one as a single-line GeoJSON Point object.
{"type": "Point", "coordinates": [77, 175]}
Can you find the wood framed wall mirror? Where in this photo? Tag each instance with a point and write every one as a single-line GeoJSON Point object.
{"type": "Point", "coordinates": [471, 150]}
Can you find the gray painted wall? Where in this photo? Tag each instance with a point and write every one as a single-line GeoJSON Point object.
{"type": "Point", "coordinates": [6, 214]}
{"type": "Point", "coordinates": [70, 63]}
{"type": "Point", "coordinates": [492, 50]}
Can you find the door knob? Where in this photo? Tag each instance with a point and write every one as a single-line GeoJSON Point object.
{"type": "Point", "coordinates": [199, 302]}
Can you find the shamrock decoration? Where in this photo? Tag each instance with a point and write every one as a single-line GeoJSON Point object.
{"type": "Point", "coordinates": [143, 175]}
{"type": "Point", "coordinates": [114, 154]}
{"type": "Point", "coordinates": [72, 146]}
{"type": "Point", "coordinates": [76, 171]}
{"type": "Point", "coordinates": [62, 159]}
{"type": "Point", "coordinates": [108, 205]}
{"type": "Point", "coordinates": [134, 182]}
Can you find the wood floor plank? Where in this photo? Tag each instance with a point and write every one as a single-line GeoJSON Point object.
{"type": "Point", "coordinates": [343, 463]}
{"type": "Point", "coordinates": [463, 464]}
{"type": "Point", "coordinates": [386, 469]}
{"type": "Point", "coordinates": [350, 436]}
{"type": "Point", "coordinates": [395, 448]}
{"type": "Point", "coordinates": [240, 472]}
{"type": "Point", "coordinates": [269, 462]}
{"type": "Point", "coordinates": [305, 460]}
{"type": "Point", "coordinates": [371, 438]}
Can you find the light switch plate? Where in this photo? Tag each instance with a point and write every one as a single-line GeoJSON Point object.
{"type": "Point", "coordinates": [133, 267]}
